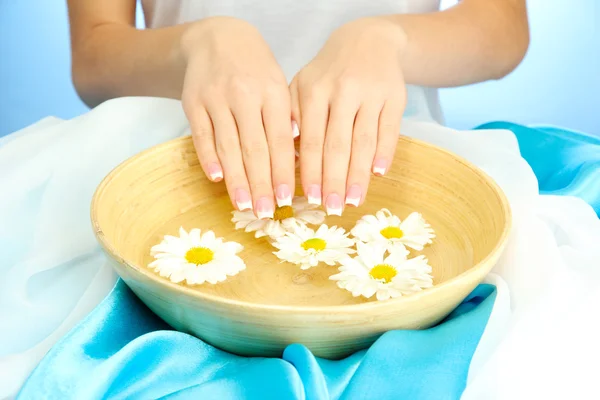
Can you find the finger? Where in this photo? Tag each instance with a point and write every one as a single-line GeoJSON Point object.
{"type": "Point", "coordinates": [230, 155]}
{"type": "Point", "coordinates": [314, 110]}
{"type": "Point", "coordinates": [387, 136]}
{"type": "Point", "coordinates": [204, 142]}
{"type": "Point", "coordinates": [281, 146]}
{"type": "Point", "coordinates": [295, 107]}
{"type": "Point", "coordinates": [337, 148]}
{"type": "Point", "coordinates": [255, 153]}
{"type": "Point", "coordinates": [364, 144]}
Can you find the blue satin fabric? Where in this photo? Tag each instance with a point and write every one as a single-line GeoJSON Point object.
{"type": "Point", "coordinates": [565, 162]}
{"type": "Point", "coordinates": [123, 351]}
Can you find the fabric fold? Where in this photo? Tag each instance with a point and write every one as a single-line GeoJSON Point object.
{"type": "Point", "coordinates": [491, 347]}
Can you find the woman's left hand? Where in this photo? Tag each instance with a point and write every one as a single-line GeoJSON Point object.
{"type": "Point", "coordinates": [348, 102]}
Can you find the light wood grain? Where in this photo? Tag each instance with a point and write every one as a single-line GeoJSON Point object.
{"type": "Point", "coordinates": [270, 304]}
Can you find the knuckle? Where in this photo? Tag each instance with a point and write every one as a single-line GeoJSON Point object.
{"type": "Point", "coordinates": [203, 133]}
{"type": "Point", "coordinates": [364, 140]}
{"type": "Point", "coordinates": [276, 90]}
{"type": "Point", "coordinates": [359, 171]}
{"type": "Point", "coordinates": [390, 127]}
{"type": "Point", "coordinates": [309, 145]}
{"type": "Point", "coordinates": [254, 149]}
{"type": "Point", "coordinates": [235, 178]}
{"type": "Point", "coordinates": [212, 91]}
{"type": "Point", "coordinates": [334, 183]}
{"type": "Point", "coordinates": [336, 145]}
{"type": "Point", "coordinates": [190, 102]}
{"type": "Point", "coordinates": [347, 86]}
{"type": "Point", "coordinates": [224, 145]}
{"type": "Point", "coordinates": [260, 185]}
{"type": "Point", "coordinates": [240, 87]}
{"type": "Point", "coordinates": [314, 93]}
{"type": "Point", "coordinates": [281, 142]}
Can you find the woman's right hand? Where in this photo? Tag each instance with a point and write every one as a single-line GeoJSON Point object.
{"type": "Point", "coordinates": [237, 101]}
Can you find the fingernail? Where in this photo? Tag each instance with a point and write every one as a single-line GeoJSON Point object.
{"type": "Point", "coordinates": [354, 195]}
{"type": "Point", "coordinates": [215, 172]}
{"type": "Point", "coordinates": [314, 195]}
{"type": "Point", "coordinates": [243, 200]}
{"type": "Point", "coordinates": [380, 167]}
{"type": "Point", "coordinates": [295, 130]}
{"type": "Point", "coordinates": [284, 195]}
{"type": "Point", "coordinates": [334, 204]}
{"type": "Point", "coordinates": [264, 208]}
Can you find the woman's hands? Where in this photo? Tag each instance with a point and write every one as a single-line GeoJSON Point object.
{"type": "Point", "coordinates": [237, 101]}
{"type": "Point", "coordinates": [348, 102]}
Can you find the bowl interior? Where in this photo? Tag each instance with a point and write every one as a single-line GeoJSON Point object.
{"type": "Point", "coordinates": [156, 192]}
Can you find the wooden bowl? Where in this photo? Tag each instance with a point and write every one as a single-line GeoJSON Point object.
{"type": "Point", "coordinates": [270, 304]}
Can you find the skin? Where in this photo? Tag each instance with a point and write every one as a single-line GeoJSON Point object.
{"type": "Point", "coordinates": [347, 102]}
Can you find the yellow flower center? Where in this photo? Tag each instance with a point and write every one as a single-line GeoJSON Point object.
{"type": "Point", "coordinates": [199, 255]}
{"type": "Point", "coordinates": [282, 213]}
{"type": "Point", "coordinates": [391, 232]}
{"type": "Point", "coordinates": [315, 244]}
{"type": "Point", "coordinates": [383, 272]}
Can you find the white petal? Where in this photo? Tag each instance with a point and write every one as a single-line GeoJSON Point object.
{"type": "Point", "coordinates": [194, 237]}
{"type": "Point", "coordinates": [241, 224]}
{"type": "Point", "coordinates": [397, 256]}
{"type": "Point", "coordinates": [231, 247]}
{"type": "Point", "coordinates": [178, 275]}
{"type": "Point", "coordinates": [383, 294]}
{"type": "Point", "coordinates": [255, 225]}
{"type": "Point", "coordinates": [243, 216]}
{"type": "Point", "coordinates": [370, 254]}
{"type": "Point", "coordinates": [274, 229]}
{"type": "Point", "coordinates": [208, 239]}
{"type": "Point", "coordinates": [369, 290]}
{"type": "Point", "coordinates": [182, 233]}
{"type": "Point", "coordinates": [311, 216]}
{"type": "Point", "coordinates": [195, 277]}
{"type": "Point", "coordinates": [305, 266]}
{"type": "Point", "coordinates": [177, 250]}
{"type": "Point", "coordinates": [382, 217]}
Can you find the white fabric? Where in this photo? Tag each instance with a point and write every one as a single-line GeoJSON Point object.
{"type": "Point", "coordinates": [539, 343]}
{"type": "Point", "coordinates": [297, 29]}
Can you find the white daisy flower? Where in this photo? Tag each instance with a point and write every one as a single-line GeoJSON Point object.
{"type": "Point", "coordinates": [196, 258]}
{"type": "Point", "coordinates": [370, 273]}
{"type": "Point", "coordinates": [387, 229]}
{"type": "Point", "coordinates": [283, 220]}
{"type": "Point", "coordinates": [307, 248]}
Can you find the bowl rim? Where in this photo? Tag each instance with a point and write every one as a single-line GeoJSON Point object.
{"type": "Point", "coordinates": [491, 257]}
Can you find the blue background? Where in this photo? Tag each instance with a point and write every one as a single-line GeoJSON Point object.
{"type": "Point", "coordinates": [558, 83]}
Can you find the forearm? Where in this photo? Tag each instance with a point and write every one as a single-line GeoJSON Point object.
{"type": "Point", "coordinates": [475, 41]}
{"type": "Point", "coordinates": [116, 60]}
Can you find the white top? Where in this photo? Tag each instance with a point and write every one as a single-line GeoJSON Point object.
{"type": "Point", "coordinates": [297, 29]}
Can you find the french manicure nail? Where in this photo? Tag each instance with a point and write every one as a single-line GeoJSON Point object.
{"type": "Point", "coordinates": [354, 195]}
{"type": "Point", "coordinates": [215, 172]}
{"type": "Point", "coordinates": [283, 195]}
{"type": "Point", "coordinates": [334, 204]}
{"type": "Point", "coordinates": [314, 195]}
{"type": "Point", "coordinates": [380, 167]}
{"type": "Point", "coordinates": [295, 130]}
{"type": "Point", "coordinates": [264, 208]}
{"type": "Point", "coordinates": [243, 200]}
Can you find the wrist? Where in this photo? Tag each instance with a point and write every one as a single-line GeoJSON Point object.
{"type": "Point", "coordinates": [381, 28]}
{"type": "Point", "coordinates": [200, 31]}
